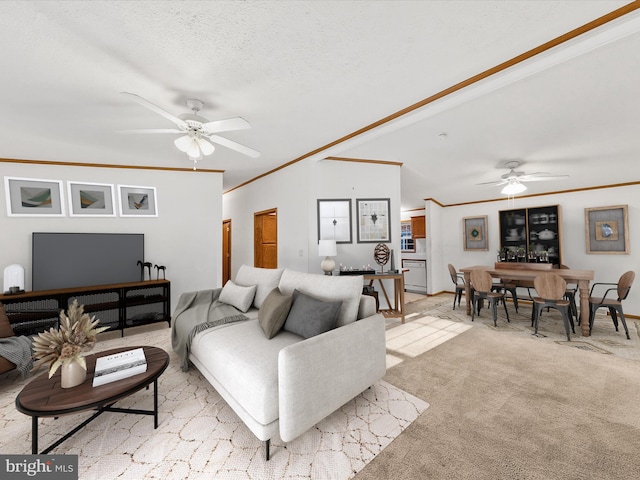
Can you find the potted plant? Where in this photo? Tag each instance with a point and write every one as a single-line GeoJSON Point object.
{"type": "Point", "coordinates": [62, 347]}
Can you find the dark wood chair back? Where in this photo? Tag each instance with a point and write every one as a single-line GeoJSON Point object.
{"type": "Point", "coordinates": [481, 281]}
{"type": "Point", "coordinates": [453, 273]}
{"type": "Point", "coordinates": [624, 284]}
{"type": "Point", "coordinates": [550, 286]}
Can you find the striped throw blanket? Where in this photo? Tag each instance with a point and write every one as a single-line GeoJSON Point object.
{"type": "Point", "coordinates": [196, 312]}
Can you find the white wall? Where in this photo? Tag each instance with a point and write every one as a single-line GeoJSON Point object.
{"type": "Point", "coordinates": [186, 236]}
{"type": "Point", "coordinates": [294, 191]}
{"type": "Point", "coordinates": [354, 180]}
{"type": "Point", "coordinates": [607, 268]}
{"type": "Point", "coordinates": [285, 190]}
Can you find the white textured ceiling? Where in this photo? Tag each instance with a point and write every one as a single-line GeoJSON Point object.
{"type": "Point", "coordinates": [307, 73]}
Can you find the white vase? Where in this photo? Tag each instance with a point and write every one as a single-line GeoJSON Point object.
{"type": "Point", "coordinates": [72, 374]}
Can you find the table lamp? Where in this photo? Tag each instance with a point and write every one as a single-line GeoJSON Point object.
{"type": "Point", "coordinates": [327, 249]}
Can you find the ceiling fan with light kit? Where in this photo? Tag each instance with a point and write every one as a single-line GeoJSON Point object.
{"type": "Point", "coordinates": [198, 134]}
{"type": "Point", "coordinates": [514, 180]}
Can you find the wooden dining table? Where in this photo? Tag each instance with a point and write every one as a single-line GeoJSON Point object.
{"type": "Point", "coordinates": [526, 273]}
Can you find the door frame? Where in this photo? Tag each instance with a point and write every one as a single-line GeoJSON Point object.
{"type": "Point", "coordinates": [226, 254]}
{"type": "Point", "coordinates": [257, 234]}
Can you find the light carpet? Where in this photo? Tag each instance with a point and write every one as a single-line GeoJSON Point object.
{"type": "Point", "coordinates": [507, 405]}
{"type": "Point", "coordinates": [200, 437]}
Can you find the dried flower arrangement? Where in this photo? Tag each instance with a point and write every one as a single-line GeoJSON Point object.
{"type": "Point", "coordinates": [77, 334]}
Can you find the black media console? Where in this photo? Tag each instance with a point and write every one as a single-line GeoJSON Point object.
{"type": "Point", "coordinates": [118, 306]}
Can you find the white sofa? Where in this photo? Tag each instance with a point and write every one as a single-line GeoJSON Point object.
{"type": "Point", "coordinates": [287, 384]}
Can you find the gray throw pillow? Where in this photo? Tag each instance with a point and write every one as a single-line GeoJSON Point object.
{"type": "Point", "coordinates": [273, 312]}
{"type": "Point", "coordinates": [237, 296]}
{"type": "Point", "coordinates": [309, 316]}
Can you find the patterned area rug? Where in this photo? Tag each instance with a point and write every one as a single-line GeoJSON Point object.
{"type": "Point", "coordinates": [200, 437]}
{"type": "Point", "coordinates": [603, 340]}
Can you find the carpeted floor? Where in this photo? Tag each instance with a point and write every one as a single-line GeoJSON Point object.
{"type": "Point", "coordinates": [505, 404]}
{"type": "Point", "coordinates": [200, 437]}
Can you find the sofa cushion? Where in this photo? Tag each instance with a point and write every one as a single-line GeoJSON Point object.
{"type": "Point", "coordinates": [310, 316]}
{"type": "Point", "coordinates": [347, 288]}
{"type": "Point", "coordinates": [273, 312]}
{"type": "Point", "coordinates": [265, 280]}
{"type": "Point", "coordinates": [246, 363]}
{"type": "Point", "coordinates": [237, 295]}
{"type": "Point", "coordinates": [5, 325]}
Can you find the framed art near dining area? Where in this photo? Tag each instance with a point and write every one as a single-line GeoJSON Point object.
{"type": "Point", "coordinates": [137, 201]}
{"type": "Point", "coordinates": [91, 200]}
{"type": "Point", "coordinates": [374, 224]}
{"type": "Point", "coordinates": [475, 233]}
{"type": "Point", "coordinates": [334, 220]}
{"type": "Point", "coordinates": [607, 229]}
{"type": "Point", "coordinates": [32, 197]}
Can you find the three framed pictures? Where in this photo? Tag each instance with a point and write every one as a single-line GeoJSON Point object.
{"type": "Point", "coordinates": [34, 197]}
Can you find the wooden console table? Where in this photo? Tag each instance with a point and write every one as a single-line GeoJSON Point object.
{"type": "Point", "coordinates": [397, 311]}
{"type": "Point", "coordinates": [118, 306]}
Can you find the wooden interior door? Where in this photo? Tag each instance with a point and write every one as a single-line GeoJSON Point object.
{"type": "Point", "coordinates": [266, 239]}
{"type": "Point", "coordinates": [226, 251]}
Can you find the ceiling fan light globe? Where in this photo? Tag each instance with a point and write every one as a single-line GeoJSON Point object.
{"type": "Point", "coordinates": [513, 188]}
{"type": "Point", "coordinates": [194, 149]}
{"type": "Point", "coordinates": [206, 147]}
{"type": "Point", "coordinates": [183, 143]}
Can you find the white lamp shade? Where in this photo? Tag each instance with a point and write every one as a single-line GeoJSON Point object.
{"type": "Point", "coordinates": [327, 248]}
{"type": "Point", "coordinates": [13, 277]}
{"type": "Point", "coordinates": [512, 188]}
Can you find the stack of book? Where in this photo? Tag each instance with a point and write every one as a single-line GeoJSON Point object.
{"type": "Point", "coordinates": [118, 366]}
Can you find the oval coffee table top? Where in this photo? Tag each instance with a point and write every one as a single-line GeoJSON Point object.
{"type": "Point", "coordinates": [44, 397]}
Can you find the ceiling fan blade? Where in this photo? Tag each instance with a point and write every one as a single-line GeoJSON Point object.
{"type": "Point", "coordinates": [236, 123]}
{"type": "Point", "coordinates": [494, 183]}
{"type": "Point", "coordinates": [225, 142]}
{"type": "Point", "coordinates": [152, 130]}
{"type": "Point", "coordinates": [540, 178]}
{"type": "Point", "coordinates": [154, 108]}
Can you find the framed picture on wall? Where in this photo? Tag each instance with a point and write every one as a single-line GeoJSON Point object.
{"type": "Point", "coordinates": [374, 222]}
{"type": "Point", "coordinates": [334, 220]}
{"type": "Point", "coordinates": [607, 229]}
{"type": "Point", "coordinates": [32, 197]}
{"type": "Point", "coordinates": [475, 233]}
{"type": "Point", "coordinates": [91, 200]}
{"type": "Point", "coordinates": [137, 201]}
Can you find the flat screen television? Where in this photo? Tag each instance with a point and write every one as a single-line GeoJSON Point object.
{"type": "Point", "coordinates": [68, 260]}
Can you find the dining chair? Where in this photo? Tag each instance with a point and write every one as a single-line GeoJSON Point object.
{"type": "Point", "coordinates": [551, 289]}
{"type": "Point", "coordinates": [570, 294]}
{"type": "Point", "coordinates": [482, 282]}
{"type": "Point", "coordinates": [458, 280]}
{"type": "Point", "coordinates": [504, 287]}
{"type": "Point", "coordinates": [622, 289]}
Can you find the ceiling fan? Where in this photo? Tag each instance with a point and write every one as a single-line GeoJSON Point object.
{"type": "Point", "coordinates": [513, 180]}
{"type": "Point", "coordinates": [198, 133]}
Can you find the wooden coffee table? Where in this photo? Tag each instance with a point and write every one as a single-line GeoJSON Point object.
{"type": "Point", "coordinates": [44, 397]}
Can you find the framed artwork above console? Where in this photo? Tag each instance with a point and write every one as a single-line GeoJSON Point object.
{"type": "Point", "coordinates": [91, 200]}
{"type": "Point", "coordinates": [137, 201]}
{"type": "Point", "coordinates": [32, 197]}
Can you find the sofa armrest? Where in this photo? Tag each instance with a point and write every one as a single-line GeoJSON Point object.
{"type": "Point", "coordinates": [367, 306]}
{"type": "Point", "coordinates": [320, 374]}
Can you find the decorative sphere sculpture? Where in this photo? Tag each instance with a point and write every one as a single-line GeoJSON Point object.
{"type": "Point", "coordinates": [381, 255]}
